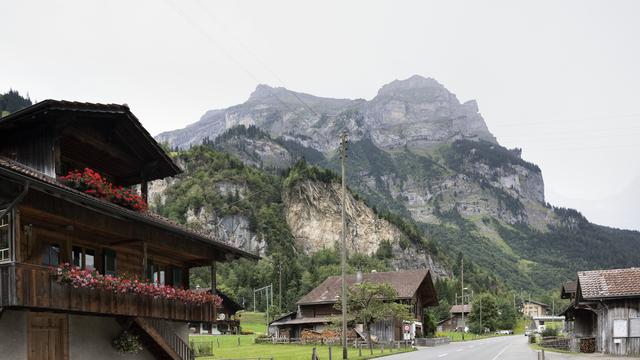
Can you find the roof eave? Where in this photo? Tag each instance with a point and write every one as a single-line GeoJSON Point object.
{"type": "Point", "coordinates": [115, 209]}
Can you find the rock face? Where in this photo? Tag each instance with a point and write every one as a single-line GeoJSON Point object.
{"type": "Point", "coordinates": [313, 214]}
{"type": "Point", "coordinates": [417, 112]}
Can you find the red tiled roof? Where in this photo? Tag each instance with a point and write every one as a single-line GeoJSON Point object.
{"type": "Point", "coordinates": [609, 283]}
{"type": "Point", "coordinates": [150, 217]}
{"type": "Point", "coordinates": [406, 283]}
{"type": "Point", "coordinates": [457, 309]}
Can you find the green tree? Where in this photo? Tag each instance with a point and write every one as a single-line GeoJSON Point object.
{"type": "Point", "coordinates": [430, 322]}
{"type": "Point", "coordinates": [484, 313]}
{"type": "Point", "coordinates": [508, 316]}
{"type": "Point", "coordinates": [368, 302]}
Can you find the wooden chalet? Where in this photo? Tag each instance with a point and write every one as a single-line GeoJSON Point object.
{"type": "Point", "coordinates": [44, 223]}
{"type": "Point", "coordinates": [316, 308]}
{"type": "Point", "coordinates": [605, 312]}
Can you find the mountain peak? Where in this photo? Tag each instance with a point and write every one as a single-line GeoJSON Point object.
{"type": "Point", "coordinates": [412, 83]}
{"type": "Point", "coordinates": [263, 91]}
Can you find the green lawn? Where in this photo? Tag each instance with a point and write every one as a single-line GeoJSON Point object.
{"type": "Point", "coordinates": [253, 321]}
{"type": "Point", "coordinates": [457, 336]}
{"type": "Point", "coordinates": [226, 347]}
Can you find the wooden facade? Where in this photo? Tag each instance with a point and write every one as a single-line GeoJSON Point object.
{"type": "Point", "coordinates": [606, 311]}
{"type": "Point", "coordinates": [32, 286]}
{"type": "Point", "coordinates": [44, 223]}
{"type": "Point", "coordinates": [315, 310]}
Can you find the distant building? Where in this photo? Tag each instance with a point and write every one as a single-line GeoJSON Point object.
{"type": "Point", "coordinates": [532, 308]}
{"type": "Point", "coordinates": [456, 322]}
{"type": "Point", "coordinates": [540, 323]}
{"type": "Point", "coordinates": [315, 309]}
{"type": "Point", "coordinates": [606, 311]}
{"type": "Point", "coordinates": [227, 322]}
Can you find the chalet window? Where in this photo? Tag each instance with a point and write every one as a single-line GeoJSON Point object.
{"type": "Point", "coordinates": [83, 258]}
{"type": "Point", "coordinates": [176, 277]}
{"type": "Point", "coordinates": [149, 271]}
{"type": "Point", "coordinates": [156, 273]}
{"type": "Point", "coordinates": [159, 276]}
{"type": "Point", "coordinates": [5, 254]}
{"type": "Point", "coordinates": [50, 254]}
{"type": "Point", "coordinates": [109, 262]}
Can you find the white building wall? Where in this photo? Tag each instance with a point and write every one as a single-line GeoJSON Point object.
{"type": "Point", "coordinates": [90, 338]}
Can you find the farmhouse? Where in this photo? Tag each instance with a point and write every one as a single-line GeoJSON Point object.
{"type": "Point", "coordinates": [606, 312]}
{"type": "Point", "coordinates": [316, 308]}
{"type": "Point", "coordinates": [81, 259]}
{"type": "Point", "coordinates": [532, 308]}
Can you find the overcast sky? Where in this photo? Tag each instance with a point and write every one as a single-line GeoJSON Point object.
{"type": "Point", "coordinates": [560, 79]}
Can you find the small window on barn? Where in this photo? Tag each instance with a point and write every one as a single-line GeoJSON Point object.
{"type": "Point", "coordinates": [5, 254]}
{"type": "Point", "coordinates": [634, 327]}
{"type": "Point", "coordinates": [620, 328]}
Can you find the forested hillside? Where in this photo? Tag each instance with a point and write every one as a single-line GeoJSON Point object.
{"type": "Point", "coordinates": [217, 186]}
{"type": "Point", "coordinates": [12, 101]}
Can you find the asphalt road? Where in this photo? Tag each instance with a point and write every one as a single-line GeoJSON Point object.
{"type": "Point", "coordinates": [513, 347]}
{"type": "Point", "coordinates": [499, 348]}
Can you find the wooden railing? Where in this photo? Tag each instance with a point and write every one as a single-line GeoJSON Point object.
{"type": "Point", "coordinates": [26, 285]}
{"type": "Point", "coordinates": [168, 336]}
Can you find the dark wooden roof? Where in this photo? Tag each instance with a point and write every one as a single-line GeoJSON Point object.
{"type": "Point", "coordinates": [406, 284]}
{"type": "Point", "coordinates": [457, 309]}
{"type": "Point", "coordinates": [42, 182]}
{"type": "Point", "coordinates": [614, 283]}
{"type": "Point", "coordinates": [568, 289]}
{"type": "Point", "coordinates": [135, 149]}
{"type": "Point", "coordinates": [536, 302]}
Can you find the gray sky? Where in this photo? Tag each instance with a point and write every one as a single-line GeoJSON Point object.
{"type": "Point", "coordinates": [560, 79]}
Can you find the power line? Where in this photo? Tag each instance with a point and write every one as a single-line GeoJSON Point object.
{"type": "Point", "coordinates": [255, 56]}
{"type": "Point", "coordinates": [204, 33]}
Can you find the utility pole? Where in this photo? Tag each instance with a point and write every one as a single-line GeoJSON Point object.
{"type": "Point", "coordinates": [343, 255]}
{"type": "Point", "coordinates": [280, 286]}
{"type": "Point", "coordinates": [464, 325]}
{"type": "Point", "coordinates": [481, 328]}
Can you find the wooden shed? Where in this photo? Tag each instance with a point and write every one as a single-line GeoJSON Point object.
{"type": "Point", "coordinates": [606, 311]}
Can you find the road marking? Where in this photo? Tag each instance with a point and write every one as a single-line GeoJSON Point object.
{"type": "Point", "coordinates": [443, 355]}
{"type": "Point", "coordinates": [459, 350]}
{"type": "Point", "coordinates": [500, 353]}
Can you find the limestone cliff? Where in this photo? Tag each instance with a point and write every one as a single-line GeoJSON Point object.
{"type": "Point", "coordinates": [313, 213]}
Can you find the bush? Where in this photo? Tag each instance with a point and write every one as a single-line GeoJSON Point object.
{"type": "Point", "coordinates": [550, 331]}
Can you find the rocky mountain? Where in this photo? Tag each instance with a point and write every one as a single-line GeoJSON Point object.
{"type": "Point", "coordinates": [420, 156]}
{"type": "Point", "coordinates": [417, 112]}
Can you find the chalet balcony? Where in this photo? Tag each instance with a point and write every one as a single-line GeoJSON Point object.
{"type": "Point", "coordinates": [32, 286]}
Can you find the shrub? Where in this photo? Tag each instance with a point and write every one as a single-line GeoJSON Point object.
{"type": "Point", "coordinates": [550, 331]}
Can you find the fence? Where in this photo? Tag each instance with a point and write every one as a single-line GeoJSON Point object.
{"type": "Point", "coordinates": [555, 343]}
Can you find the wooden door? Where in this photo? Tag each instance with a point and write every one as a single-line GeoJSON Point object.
{"type": "Point", "coordinates": [48, 336]}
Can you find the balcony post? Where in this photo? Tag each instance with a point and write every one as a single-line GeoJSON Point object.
{"type": "Point", "coordinates": [144, 259]}
{"type": "Point", "coordinates": [214, 282]}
